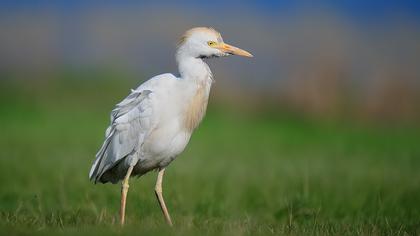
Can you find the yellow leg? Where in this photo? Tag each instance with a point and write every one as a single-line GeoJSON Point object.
{"type": "Point", "coordinates": [124, 191]}
{"type": "Point", "coordinates": [158, 191]}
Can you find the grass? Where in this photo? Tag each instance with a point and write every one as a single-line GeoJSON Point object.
{"type": "Point", "coordinates": [240, 175]}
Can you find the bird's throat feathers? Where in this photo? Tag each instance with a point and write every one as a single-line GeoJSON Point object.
{"type": "Point", "coordinates": [196, 69]}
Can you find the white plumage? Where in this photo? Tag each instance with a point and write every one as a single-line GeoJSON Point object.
{"type": "Point", "coordinates": [154, 123]}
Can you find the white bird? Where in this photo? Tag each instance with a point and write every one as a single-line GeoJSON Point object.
{"type": "Point", "coordinates": [154, 123]}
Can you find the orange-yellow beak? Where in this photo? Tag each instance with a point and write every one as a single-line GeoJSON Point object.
{"type": "Point", "coordinates": [232, 50]}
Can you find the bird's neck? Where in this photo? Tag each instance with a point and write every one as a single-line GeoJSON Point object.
{"type": "Point", "coordinates": [196, 73]}
{"type": "Point", "coordinates": [193, 69]}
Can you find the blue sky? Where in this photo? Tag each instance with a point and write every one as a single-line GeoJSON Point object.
{"type": "Point", "coordinates": [357, 9]}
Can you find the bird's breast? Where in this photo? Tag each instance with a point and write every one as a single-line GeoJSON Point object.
{"type": "Point", "coordinates": [195, 108]}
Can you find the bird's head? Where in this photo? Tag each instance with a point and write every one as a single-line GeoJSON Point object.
{"type": "Point", "coordinates": [204, 42]}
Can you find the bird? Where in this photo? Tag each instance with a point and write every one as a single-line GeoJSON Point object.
{"type": "Point", "coordinates": [154, 123]}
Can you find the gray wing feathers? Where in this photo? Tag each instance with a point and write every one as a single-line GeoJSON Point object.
{"type": "Point", "coordinates": [129, 123]}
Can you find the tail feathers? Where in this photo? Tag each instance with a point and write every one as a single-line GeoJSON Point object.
{"type": "Point", "coordinates": [96, 170]}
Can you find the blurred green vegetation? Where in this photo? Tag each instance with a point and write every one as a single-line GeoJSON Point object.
{"type": "Point", "coordinates": [260, 173]}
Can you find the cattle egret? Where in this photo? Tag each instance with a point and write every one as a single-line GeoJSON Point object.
{"type": "Point", "coordinates": [154, 123]}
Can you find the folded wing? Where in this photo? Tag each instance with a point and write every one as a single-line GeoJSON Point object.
{"type": "Point", "coordinates": [130, 123]}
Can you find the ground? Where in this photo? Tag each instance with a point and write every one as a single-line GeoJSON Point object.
{"type": "Point", "coordinates": [241, 174]}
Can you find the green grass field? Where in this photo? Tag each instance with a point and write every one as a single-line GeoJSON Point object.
{"type": "Point", "coordinates": [241, 174]}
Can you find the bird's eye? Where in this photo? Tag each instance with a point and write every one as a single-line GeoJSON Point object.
{"type": "Point", "coordinates": [211, 43]}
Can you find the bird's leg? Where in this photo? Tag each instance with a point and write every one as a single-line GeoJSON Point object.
{"type": "Point", "coordinates": [124, 191]}
{"type": "Point", "coordinates": [158, 191]}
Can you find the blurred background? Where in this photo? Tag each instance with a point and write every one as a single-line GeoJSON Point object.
{"type": "Point", "coordinates": [350, 59]}
{"type": "Point", "coordinates": [333, 92]}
